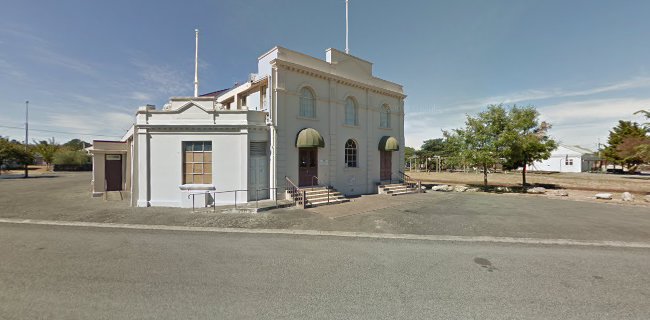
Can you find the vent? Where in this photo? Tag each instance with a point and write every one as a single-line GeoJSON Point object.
{"type": "Point", "coordinates": [258, 149]}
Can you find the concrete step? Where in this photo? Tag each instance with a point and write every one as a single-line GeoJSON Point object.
{"type": "Point", "coordinates": [332, 194]}
{"type": "Point", "coordinates": [324, 202]}
{"type": "Point", "coordinates": [116, 196]}
{"type": "Point", "coordinates": [318, 192]}
{"type": "Point", "coordinates": [324, 198]}
{"type": "Point", "coordinates": [407, 191]}
{"type": "Point", "coordinates": [392, 185]}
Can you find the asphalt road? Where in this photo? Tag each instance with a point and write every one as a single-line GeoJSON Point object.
{"type": "Point", "coordinates": [51, 272]}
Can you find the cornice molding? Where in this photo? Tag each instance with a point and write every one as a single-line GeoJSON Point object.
{"type": "Point", "coordinates": [286, 65]}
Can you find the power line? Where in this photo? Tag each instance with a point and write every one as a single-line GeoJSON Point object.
{"type": "Point", "coordinates": [64, 132]}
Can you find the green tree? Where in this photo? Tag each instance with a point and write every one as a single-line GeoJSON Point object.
{"type": "Point", "coordinates": [624, 131]}
{"type": "Point", "coordinates": [435, 147]}
{"type": "Point", "coordinates": [14, 152]}
{"type": "Point", "coordinates": [454, 148]}
{"type": "Point", "coordinates": [46, 149]}
{"type": "Point", "coordinates": [67, 156]}
{"type": "Point", "coordinates": [527, 139]}
{"type": "Point", "coordinates": [634, 150]}
{"type": "Point", "coordinates": [408, 153]}
{"type": "Point", "coordinates": [76, 144]}
{"type": "Point", "coordinates": [483, 140]}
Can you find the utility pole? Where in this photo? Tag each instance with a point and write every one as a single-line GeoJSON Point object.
{"type": "Point", "coordinates": [26, 134]}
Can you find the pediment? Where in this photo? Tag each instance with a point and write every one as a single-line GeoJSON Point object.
{"type": "Point", "coordinates": [192, 107]}
{"type": "Point", "coordinates": [355, 67]}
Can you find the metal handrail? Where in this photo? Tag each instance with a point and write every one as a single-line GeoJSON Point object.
{"type": "Point", "coordinates": [214, 193]}
{"type": "Point", "coordinates": [312, 181]}
{"type": "Point", "coordinates": [408, 180]}
{"type": "Point", "coordinates": [295, 193]}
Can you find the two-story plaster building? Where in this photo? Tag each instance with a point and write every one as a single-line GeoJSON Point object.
{"type": "Point", "coordinates": [324, 122]}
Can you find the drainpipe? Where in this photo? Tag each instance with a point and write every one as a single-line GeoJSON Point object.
{"type": "Point", "coordinates": [273, 133]}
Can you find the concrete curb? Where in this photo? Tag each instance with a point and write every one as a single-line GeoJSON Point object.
{"type": "Point", "coordinates": [345, 234]}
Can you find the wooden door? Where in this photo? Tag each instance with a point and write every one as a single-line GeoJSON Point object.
{"type": "Point", "coordinates": [307, 166]}
{"type": "Point", "coordinates": [385, 165]}
{"type": "Point", "coordinates": [113, 172]}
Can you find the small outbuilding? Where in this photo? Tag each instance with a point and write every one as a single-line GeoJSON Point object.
{"type": "Point", "coordinates": [568, 159]}
{"type": "Point", "coordinates": [111, 166]}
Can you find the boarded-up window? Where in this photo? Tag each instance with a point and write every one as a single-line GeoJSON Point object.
{"type": "Point", "coordinates": [197, 162]}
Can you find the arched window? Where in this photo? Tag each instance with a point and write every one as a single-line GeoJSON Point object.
{"type": "Point", "coordinates": [307, 103]}
{"type": "Point", "coordinates": [350, 154]}
{"type": "Point", "coordinates": [384, 117]}
{"type": "Point", "coordinates": [351, 112]}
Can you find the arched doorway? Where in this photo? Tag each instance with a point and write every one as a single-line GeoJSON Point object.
{"type": "Point", "coordinates": [308, 141]}
{"type": "Point", "coordinates": [387, 145]}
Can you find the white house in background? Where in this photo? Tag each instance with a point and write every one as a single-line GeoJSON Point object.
{"type": "Point", "coordinates": [325, 122]}
{"type": "Point", "coordinates": [567, 159]}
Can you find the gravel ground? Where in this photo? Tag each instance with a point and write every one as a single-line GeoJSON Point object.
{"type": "Point", "coordinates": [638, 184]}
{"type": "Point", "coordinates": [66, 196]}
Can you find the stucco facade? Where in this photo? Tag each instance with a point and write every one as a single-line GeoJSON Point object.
{"type": "Point", "coordinates": [252, 129]}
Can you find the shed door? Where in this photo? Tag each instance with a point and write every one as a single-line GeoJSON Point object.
{"type": "Point", "coordinates": [113, 172]}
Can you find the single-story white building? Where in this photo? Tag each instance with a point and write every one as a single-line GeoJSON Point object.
{"type": "Point", "coordinates": [567, 159]}
{"type": "Point", "coordinates": [298, 121]}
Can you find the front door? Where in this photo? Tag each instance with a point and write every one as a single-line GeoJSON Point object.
{"type": "Point", "coordinates": [385, 165]}
{"type": "Point", "coordinates": [113, 172]}
{"type": "Point", "coordinates": [307, 166]}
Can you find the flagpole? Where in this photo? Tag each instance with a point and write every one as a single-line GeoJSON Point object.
{"type": "Point", "coordinates": [347, 49]}
{"type": "Point", "coordinates": [196, 65]}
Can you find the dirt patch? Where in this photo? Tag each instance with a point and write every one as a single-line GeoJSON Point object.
{"type": "Point", "coordinates": [639, 184]}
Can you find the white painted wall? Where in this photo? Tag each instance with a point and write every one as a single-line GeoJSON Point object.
{"type": "Point", "coordinates": [159, 144]}
{"type": "Point", "coordinates": [558, 161]}
{"type": "Point", "coordinates": [229, 165]}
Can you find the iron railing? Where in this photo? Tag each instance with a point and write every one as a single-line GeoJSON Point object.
{"type": "Point", "coordinates": [214, 194]}
{"type": "Point", "coordinates": [312, 181]}
{"type": "Point", "coordinates": [298, 196]}
{"type": "Point", "coordinates": [410, 182]}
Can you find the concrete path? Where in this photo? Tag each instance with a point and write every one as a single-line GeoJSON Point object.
{"type": "Point", "coordinates": [99, 273]}
{"type": "Point", "coordinates": [367, 203]}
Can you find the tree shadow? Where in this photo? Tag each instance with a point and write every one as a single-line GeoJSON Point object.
{"type": "Point", "coordinates": [513, 188]}
{"type": "Point", "coordinates": [12, 177]}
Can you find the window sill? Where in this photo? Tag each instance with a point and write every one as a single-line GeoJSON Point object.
{"type": "Point", "coordinates": [197, 186]}
{"type": "Point", "coordinates": [350, 125]}
{"type": "Point", "coordinates": [384, 128]}
{"type": "Point", "coordinates": [306, 118]}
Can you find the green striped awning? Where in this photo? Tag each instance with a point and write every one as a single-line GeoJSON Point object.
{"type": "Point", "coordinates": [309, 138]}
{"type": "Point", "coordinates": [388, 143]}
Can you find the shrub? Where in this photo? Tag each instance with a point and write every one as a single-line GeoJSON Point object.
{"type": "Point", "coordinates": [67, 156]}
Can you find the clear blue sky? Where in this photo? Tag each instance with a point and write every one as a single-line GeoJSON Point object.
{"type": "Point", "coordinates": [85, 66]}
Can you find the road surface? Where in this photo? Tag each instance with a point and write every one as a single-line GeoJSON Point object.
{"type": "Point", "coordinates": [51, 272]}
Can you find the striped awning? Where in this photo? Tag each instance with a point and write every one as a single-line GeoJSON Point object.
{"type": "Point", "coordinates": [388, 143]}
{"type": "Point", "coordinates": [309, 138]}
